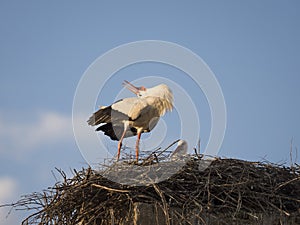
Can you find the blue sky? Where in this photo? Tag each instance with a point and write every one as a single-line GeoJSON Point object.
{"type": "Point", "coordinates": [251, 46]}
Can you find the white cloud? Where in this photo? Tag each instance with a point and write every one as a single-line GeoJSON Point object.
{"type": "Point", "coordinates": [8, 192]}
{"type": "Point", "coordinates": [19, 134]}
{"type": "Point", "coordinates": [8, 188]}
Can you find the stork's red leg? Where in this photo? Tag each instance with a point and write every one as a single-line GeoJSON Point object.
{"type": "Point", "coordinates": [137, 145]}
{"type": "Point", "coordinates": [120, 144]}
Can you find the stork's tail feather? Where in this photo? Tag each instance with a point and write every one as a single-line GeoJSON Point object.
{"type": "Point", "coordinates": [103, 115]}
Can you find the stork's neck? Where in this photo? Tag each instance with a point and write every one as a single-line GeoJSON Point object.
{"type": "Point", "coordinates": [164, 94]}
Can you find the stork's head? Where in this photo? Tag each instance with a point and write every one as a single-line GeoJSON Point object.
{"type": "Point", "coordinates": [139, 91]}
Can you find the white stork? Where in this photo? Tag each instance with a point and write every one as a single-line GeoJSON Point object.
{"type": "Point", "coordinates": [133, 116]}
{"type": "Point", "coordinates": [180, 151]}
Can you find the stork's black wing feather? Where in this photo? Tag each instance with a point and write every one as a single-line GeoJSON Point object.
{"type": "Point", "coordinates": [114, 133]}
{"type": "Point", "coordinates": [101, 116]}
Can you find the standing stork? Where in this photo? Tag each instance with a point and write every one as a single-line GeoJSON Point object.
{"type": "Point", "coordinates": [133, 116]}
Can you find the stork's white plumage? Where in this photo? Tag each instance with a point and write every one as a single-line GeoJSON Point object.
{"type": "Point", "coordinates": [133, 116]}
{"type": "Point", "coordinates": [180, 151]}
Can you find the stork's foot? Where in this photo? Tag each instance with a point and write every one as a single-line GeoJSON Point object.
{"type": "Point", "coordinates": [134, 163]}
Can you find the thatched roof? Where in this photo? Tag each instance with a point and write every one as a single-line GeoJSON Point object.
{"type": "Point", "coordinates": [227, 190]}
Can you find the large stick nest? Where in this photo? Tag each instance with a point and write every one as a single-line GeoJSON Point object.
{"type": "Point", "coordinates": [226, 188]}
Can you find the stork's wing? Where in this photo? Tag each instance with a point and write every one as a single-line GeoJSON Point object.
{"type": "Point", "coordinates": [124, 109]}
{"type": "Point", "coordinates": [103, 115]}
{"type": "Point", "coordinates": [131, 107]}
{"type": "Point", "coordinates": [134, 108]}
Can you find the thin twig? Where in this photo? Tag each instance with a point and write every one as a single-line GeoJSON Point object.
{"type": "Point", "coordinates": [109, 189]}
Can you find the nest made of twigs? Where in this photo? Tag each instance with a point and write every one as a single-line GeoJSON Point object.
{"type": "Point", "coordinates": [227, 187]}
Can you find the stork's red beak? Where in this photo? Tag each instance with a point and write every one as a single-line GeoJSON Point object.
{"type": "Point", "coordinates": [131, 87]}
